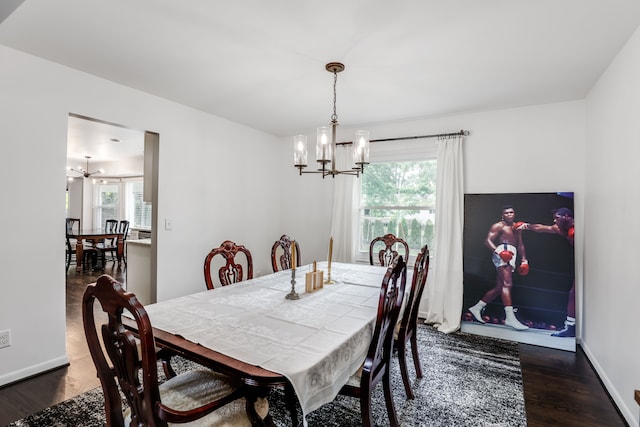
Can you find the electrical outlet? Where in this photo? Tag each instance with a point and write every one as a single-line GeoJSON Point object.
{"type": "Point", "coordinates": [5, 338]}
{"type": "Point", "coordinates": [168, 224]}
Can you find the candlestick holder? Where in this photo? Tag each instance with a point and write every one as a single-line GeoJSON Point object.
{"type": "Point", "coordinates": [329, 281]}
{"type": "Point", "coordinates": [293, 294]}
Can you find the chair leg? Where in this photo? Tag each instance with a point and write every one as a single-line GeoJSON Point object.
{"type": "Point", "coordinates": [365, 408]}
{"type": "Point", "coordinates": [290, 402]}
{"type": "Point", "coordinates": [402, 360]}
{"type": "Point", "coordinates": [416, 358]}
{"type": "Point", "coordinates": [388, 397]}
{"type": "Point", "coordinates": [165, 357]}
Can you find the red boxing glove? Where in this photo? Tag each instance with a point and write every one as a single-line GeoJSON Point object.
{"type": "Point", "coordinates": [570, 233]}
{"type": "Point", "coordinates": [517, 225]}
{"type": "Point", "coordinates": [523, 270]}
{"type": "Point", "coordinates": [506, 255]}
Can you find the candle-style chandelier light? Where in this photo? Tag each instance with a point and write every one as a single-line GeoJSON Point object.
{"type": "Point", "coordinates": [326, 142]}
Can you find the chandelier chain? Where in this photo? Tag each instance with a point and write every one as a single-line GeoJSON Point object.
{"type": "Point", "coordinates": [334, 116]}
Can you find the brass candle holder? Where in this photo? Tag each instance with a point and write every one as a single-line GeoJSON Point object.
{"type": "Point", "coordinates": [293, 294]}
{"type": "Point", "coordinates": [314, 279]}
{"type": "Point", "coordinates": [329, 281]}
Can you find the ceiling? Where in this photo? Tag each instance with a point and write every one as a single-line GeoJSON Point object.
{"type": "Point", "coordinates": [262, 63]}
{"type": "Point", "coordinates": [118, 150]}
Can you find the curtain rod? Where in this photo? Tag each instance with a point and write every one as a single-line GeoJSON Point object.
{"type": "Point", "coordinates": [437, 135]}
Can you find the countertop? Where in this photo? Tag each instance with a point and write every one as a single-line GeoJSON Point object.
{"type": "Point", "coordinates": [141, 242]}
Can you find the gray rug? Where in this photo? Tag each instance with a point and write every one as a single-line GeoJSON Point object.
{"type": "Point", "coordinates": [468, 380]}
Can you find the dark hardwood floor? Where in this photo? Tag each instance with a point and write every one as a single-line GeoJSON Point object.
{"type": "Point", "coordinates": [560, 387]}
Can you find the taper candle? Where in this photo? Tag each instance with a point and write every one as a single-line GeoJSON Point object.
{"type": "Point", "coordinates": [330, 251]}
{"type": "Point", "coordinates": [293, 255]}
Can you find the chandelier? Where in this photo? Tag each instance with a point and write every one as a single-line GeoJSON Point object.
{"type": "Point", "coordinates": [85, 172]}
{"type": "Point", "coordinates": [326, 142]}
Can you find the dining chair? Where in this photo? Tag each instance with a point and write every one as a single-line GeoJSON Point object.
{"type": "Point", "coordinates": [72, 228]}
{"type": "Point", "coordinates": [235, 259]}
{"type": "Point", "coordinates": [128, 367]}
{"type": "Point", "coordinates": [110, 226]}
{"type": "Point", "coordinates": [389, 251]}
{"type": "Point", "coordinates": [281, 254]}
{"type": "Point", "coordinates": [405, 332]}
{"type": "Point", "coordinates": [111, 245]}
{"type": "Point", "coordinates": [377, 364]}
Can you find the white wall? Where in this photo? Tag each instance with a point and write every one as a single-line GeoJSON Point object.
{"type": "Point", "coordinates": [612, 288]}
{"type": "Point", "coordinates": [216, 183]}
{"type": "Point", "coordinates": [75, 199]}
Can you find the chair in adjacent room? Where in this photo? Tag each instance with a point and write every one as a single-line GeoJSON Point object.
{"type": "Point", "coordinates": [377, 364]}
{"type": "Point", "coordinates": [72, 229]}
{"type": "Point", "coordinates": [281, 254]}
{"type": "Point", "coordinates": [387, 249]}
{"type": "Point", "coordinates": [127, 366]}
{"type": "Point", "coordinates": [111, 245]}
{"type": "Point", "coordinates": [406, 328]}
{"type": "Point", "coordinates": [232, 261]}
{"type": "Point", "coordinates": [110, 226]}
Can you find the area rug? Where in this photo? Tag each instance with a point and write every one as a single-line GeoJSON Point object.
{"type": "Point", "coordinates": [468, 380]}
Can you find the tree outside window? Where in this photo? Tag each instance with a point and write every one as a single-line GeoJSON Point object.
{"type": "Point", "coordinates": [398, 198]}
{"type": "Point", "coordinates": [107, 207]}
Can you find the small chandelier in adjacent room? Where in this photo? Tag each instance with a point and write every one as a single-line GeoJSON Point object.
{"type": "Point", "coordinates": [85, 172]}
{"type": "Point", "coordinates": [326, 142]}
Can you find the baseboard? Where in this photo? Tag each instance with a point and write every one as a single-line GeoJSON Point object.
{"type": "Point", "coordinates": [34, 370]}
{"type": "Point", "coordinates": [608, 385]}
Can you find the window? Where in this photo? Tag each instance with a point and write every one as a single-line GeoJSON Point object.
{"type": "Point", "coordinates": [106, 202]}
{"type": "Point", "coordinates": [122, 199]}
{"type": "Point", "coordinates": [138, 212]}
{"type": "Point", "coordinates": [399, 198]}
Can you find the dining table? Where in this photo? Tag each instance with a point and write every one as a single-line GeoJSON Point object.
{"type": "Point", "coordinates": [96, 235]}
{"type": "Point", "coordinates": [251, 330]}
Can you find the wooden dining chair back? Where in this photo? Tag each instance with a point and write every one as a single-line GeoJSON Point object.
{"type": "Point", "coordinates": [111, 225]}
{"type": "Point", "coordinates": [385, 248]}
{"type": "Point", "coordinates": [233, 262]}
{"type": "Point", "coordinates": [127, 367]}
{"type": "Point", "coordinates": [406, 333]}
{"type": "Point", "coordinates": [281, 254]}
{"type": "Point", "coordinates": [72, 228]}
{"type": "Point", "coordinates": [377, 364]}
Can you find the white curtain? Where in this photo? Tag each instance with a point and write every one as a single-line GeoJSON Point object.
{"type": "Point", "coordinates": [345, 210]}
{"type": "Point", "coordinates": [443, 296]}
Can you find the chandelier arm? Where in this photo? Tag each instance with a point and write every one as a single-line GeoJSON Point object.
{"type": "Point", "coordinates": [85, 172]}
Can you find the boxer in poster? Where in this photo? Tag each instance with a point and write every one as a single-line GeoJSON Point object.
{"type": "Point", "coordinates": [563, 224]}
{"type": "Point", "coordinates": [505, 242]}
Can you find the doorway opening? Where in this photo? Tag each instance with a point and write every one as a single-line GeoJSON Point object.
{"type": "Point", "coordinates": [122, 185]}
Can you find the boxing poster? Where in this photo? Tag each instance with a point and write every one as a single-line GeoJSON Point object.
{"type": "Point", "coordinates": [519, 268]}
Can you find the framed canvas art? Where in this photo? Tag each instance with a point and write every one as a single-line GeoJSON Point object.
{"type": "Point", "coordinates": [519, 268]}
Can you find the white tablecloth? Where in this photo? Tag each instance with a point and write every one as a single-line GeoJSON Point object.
{"type": "Point", "coordinates": [317, 342]}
